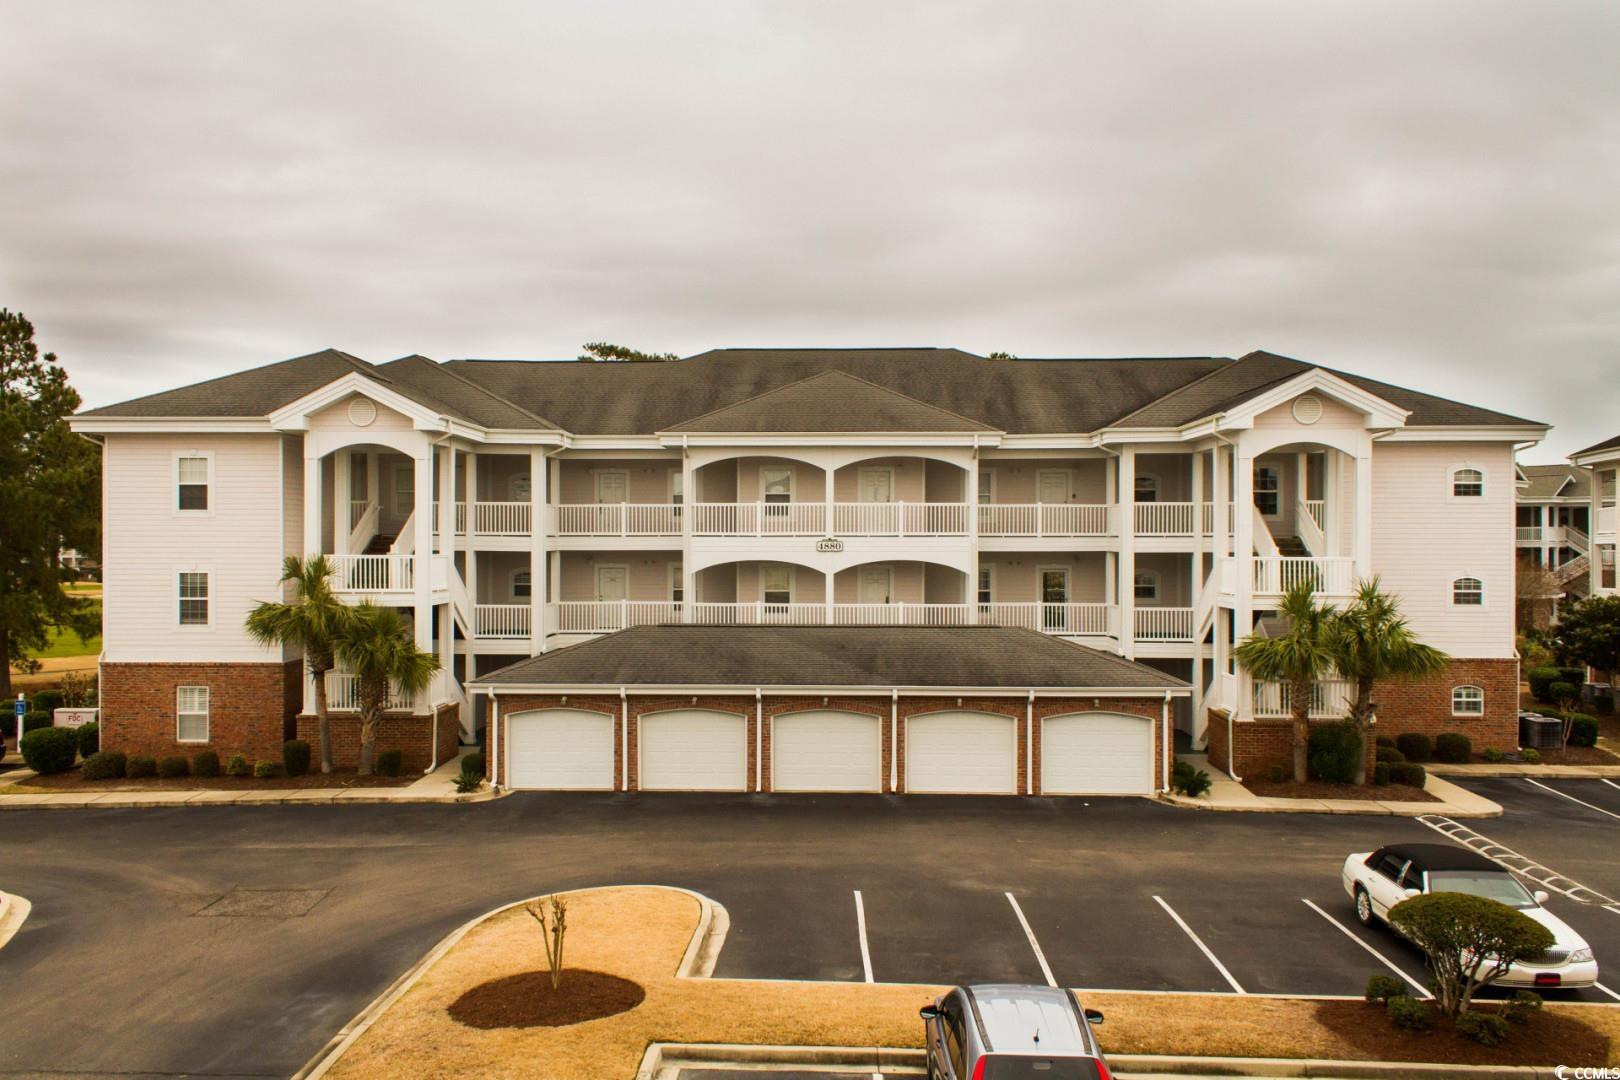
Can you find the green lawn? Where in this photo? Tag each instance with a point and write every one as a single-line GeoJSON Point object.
{"type": "Point", "coordinates": [63, 643]}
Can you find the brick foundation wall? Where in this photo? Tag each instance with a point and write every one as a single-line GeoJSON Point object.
{"type": "Point", "coordinates": [250, 707]}
{"type": "Point", "coordinates": [892, 767]}
{"type": "Point", "coordinates": [411, 735]}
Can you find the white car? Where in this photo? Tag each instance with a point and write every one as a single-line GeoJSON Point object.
{"type": "Point", "coordinates": [1378, 880]}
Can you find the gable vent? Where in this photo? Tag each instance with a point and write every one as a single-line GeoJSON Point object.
{"type": "Point", "coordinates": [1308, 409]}
{"type": "Point", "coordinates": [362, 411]}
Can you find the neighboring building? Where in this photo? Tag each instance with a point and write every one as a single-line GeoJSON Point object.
{"type": "Point", "coordinates": [1604, 462]}
{"type": "Point", "coordinates": [945, 504]}
{"type": "Point", "coordinates": [1553, 519]}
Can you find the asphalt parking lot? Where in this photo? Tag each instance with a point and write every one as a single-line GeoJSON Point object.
{"type": "Point", "coordinates": [162, 922]}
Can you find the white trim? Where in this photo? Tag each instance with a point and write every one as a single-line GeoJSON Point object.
{"type": "Point", "coordinates": [1451, 592]}
{"type": "Point", "coordinates": [294, 416]}
{"type": "Point", "coordinates": [1379, 412]}
{"type": "Point", "coordinates": [824, 690]}
{"type": "Point", "coordinates": [174, 474]}
{"type": "Point", "coordinates": [207, 713]}
{"type": "Point", "coordinates": [1473, 714]}
{"type": "Point", "coordinates": [1451, 480]}
{"type": "Point", "coordinates": [208, 598]}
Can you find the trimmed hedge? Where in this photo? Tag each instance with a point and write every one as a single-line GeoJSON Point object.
{"type": "Point", "coordinates": [264, 770]}
{"type": "Point", "coordinates": [89, 739]}
{"type": "Point", "coordinates": [1334, 752]}
{"type": "Point", "coordinates": [1383, 987]}
{"type": "Point", "coordinates": [140, 766]}
{"type": "Point", "coordinates": [103, 765]}
{"type": "Point", "coordinates": [35, 720]}
{"type": "Point", "coordinates": [1540, 680]}
{"type": "Point", "coordinates": [1453, 748]}
{"type": "Point", "coordinates": [50, 750]}
{"type": "Point", "coordinates": [47, 701]}
{"type": "Point", "coordinates": [295, 757]}
{"type": "Point", "coordinates": [1380, 773]}
{"type": "Point", "coordinates": [173, 767]}
{"type": "Point", "coordinates": [1583, 730]}
{"type": "Point", "coordinates": [1486, 1029]}
{"type": "Point", "coordinates": [238, 765]}
{"type": "Point", "coordinates": [1390, 754]}
{"type": "Point", "coordinates": [1415, 745]}
{"type": "Point", "coordinates": [389, 762]}
{"type": "Point", "coordinates": [1410, 1013]}
{"type": "Point", "coordinates": [205, 763]}
{"type": "Point", "coordinates": [1409, 773]}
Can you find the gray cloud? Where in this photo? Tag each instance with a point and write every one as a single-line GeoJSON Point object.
{"type": "Point", "coordinates": [1424, 193]}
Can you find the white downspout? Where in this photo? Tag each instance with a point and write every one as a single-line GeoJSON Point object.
{"type": "Point", "coordinates": [759, 740]}
{"type": "Point", "coordinates": [434, 765]}
{"type": "Point", "coordinates": [1029, 743]}
{"type": "Point", "coordinates": [624, 740]}
{"type": "Point", "coordinates": [1231, 751]}
{"type": "Point", "coordinates": [894, 740]}
{"type": "Point", "coordinates": [494, 742]}
{"type": "Point", "coordinates": [1165, 719]}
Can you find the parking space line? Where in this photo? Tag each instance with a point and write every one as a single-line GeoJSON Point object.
{"type": "Point", "coordinates": [1382, 959]}
{"type": "Point", "coordinates": [1611, 783]}
{"type": "Point", "coordinates": [1606, 990]}
{"type": "Point", "coordinates": [1033, 944]}
{"type": "Point", "coordinates": [1521, 865]}
{"type": "Point", "coordinates": [860, 927]}
{"type": "Point", "coordinates": [1170, 911]}
{"type": "Point", "coordinates": [1571, 798]}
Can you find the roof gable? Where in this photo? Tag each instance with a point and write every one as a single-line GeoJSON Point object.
{"type": "Point", "coordinates": [256, 392]}
{"type": "Point", "coordinates": [833, 401]}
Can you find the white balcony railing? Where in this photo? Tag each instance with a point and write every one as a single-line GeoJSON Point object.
{"type": "Point", "coordinates": [1604, 523]}
{"type": "Point", "coordinates": [496, 518]}
{"type": "Point", "coordinates": [373, 573]}
{"type": "Point", "coordinates": [1164, 519]}
{"type": "Point", "coordinates": [1043, 519]}
{"type": "Point", "coordinates": [1090, 620]}
{"type": "Point", "coordinates": [759, 519]}
{"type": "Point", "coordinates": [1164, 624]}
{"type": "Point", "coordinates": [596, 617]}
{"type": "Point", "coordinates": [501, 620]}
{"type": "Point", "coordinates": [1317, 509]}
{"type": "Point", "coordinates": [343, 694]}
{"type": "Point", "coordinates": [603, 616]}
{"type": "Point", "coordinates": [1276, 574]}
{"type": "Point", "coordinates": [1330, 699]}
{"type": "Point", "coordinates": [618, 519]}
{"type": "Point", "coordinates": [1528, 534]}
{"type": "Point", "coordinates": [759, 614]}
{"type": "Point", "coordinates": [899, 519]}
{"type": "Point", "coordinates": [1577, 539]}
{"type": "Point", "coordinates": [357, 510]}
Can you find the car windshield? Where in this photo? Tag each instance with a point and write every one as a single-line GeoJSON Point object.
{"type": "Point", "coordinates": [1493, 885]}
{"type": "Point", "coordinates": [1015, 1067]}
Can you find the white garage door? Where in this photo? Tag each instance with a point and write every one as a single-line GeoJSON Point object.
{"type": "Point", "coordinates": [694, 750]}
{"type": "Point", "coordinates": [826, 750]}
{"type": "Point", "coordinates": [964, 753]}
{"type": "Point", "coordinates": [560, 750]}
{"type": "Point", "coordinates": [1096, 754]}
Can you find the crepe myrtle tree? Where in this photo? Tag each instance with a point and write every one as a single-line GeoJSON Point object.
{"type": "Point", "coordinates": [1588, 634]}
{"type": "Point", "coordinates": [312, 620]}
{"type": "Point", "coordinates": [1297, 659]}
{"type": "Point", "coordinates": [376, 644]}
{"type": "Point", "coordinates": [1470, 942]}
{"type": "Point", "coordinates": [1372, 641]}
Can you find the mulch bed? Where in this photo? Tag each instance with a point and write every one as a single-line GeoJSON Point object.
{"type": "Point", "coordinates": [1570, 755]}
{"type": "Point", "coordinates": [1319, 789]}
{"type": "Point", "coordinates": [1548, 1039]}
{"type": "Point", "coordinates": [527, 1000]}
{"type": "Point", "coordinates": [338, 778]}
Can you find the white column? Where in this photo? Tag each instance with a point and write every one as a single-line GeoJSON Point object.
{"type": "Point", "coordinates": [470, 472]}
{"type": "Point", "coordinates": [312, 506]}
{"type": "Point", "coordinates": [540, 526]}
{"type": "Point", "coordinates": [1200, 538]}
{"type": "Point", "coordinates": [1243, 552]}
{"type": "Point", "coordinates": [1363, 520]}
{"type": "Point", "coordinates": [341, 497]}
{"type": "Point", "coordinates": [445, 506]}
{"type": "Point", "coordinates": [1222, 460]}
{"type": "Point", "coordinates": [971, 497]}
{"type": "Point", "coordinates": [423, 559]}
{"type": "Point", "coordinates": [1127, 551]}
{"type": "Point", "coordinates": [690, 496]}
{"type": "Point", "coordinates": [374, 478]}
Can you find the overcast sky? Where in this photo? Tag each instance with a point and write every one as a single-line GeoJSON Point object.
{"type": "Point", "coordinates": [1427, 193]}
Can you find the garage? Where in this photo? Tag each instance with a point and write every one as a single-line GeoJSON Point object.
{"type": "Point", "coordinates": [826, 750]}
{"type": "Point", "coordinates": [961, 753]}
{"type": "Point", "coordinates": [560, 750]}
{"type": "Point", "coordinates": [1097, 753]}
{"type": "Point", "coordinates": [694, 750]}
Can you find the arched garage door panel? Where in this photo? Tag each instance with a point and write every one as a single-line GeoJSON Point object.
{"type": "Point", "coordinates": [1096, 754]}
{"type": "Point", "coordinates": [826, 750]}
{"type": "Point", "coordinates": [962, 753]}
{"type": "Point", "coordinates": [560, 750]}
{"type": "Point", "coordinates": [693, 750]}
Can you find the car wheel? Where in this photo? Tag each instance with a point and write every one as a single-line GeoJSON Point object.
{"type": "Point", "coordinates": [1364, 908]}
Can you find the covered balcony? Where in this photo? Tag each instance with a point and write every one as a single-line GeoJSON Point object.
{"type": "Point", "coordinates": [895, 496]}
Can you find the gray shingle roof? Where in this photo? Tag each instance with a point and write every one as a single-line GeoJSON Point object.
{"type": "Point", "coordinates": [257, 392]}
{"type": "Point", "coordinates": [438, 387]}
{"type": "Point", "coordinates": [1606, 444]}
{"type": "Point", "coordinates": [830, 401]}
{"type": "Point", "coordinates": [881, 656]}
{"type": "Point", "coordinates": [1548, 482]}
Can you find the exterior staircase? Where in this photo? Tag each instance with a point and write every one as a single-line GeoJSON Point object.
{"type": "Point", "coordinates": [379, 545]}
{"type": "Point", "coordinates": [1574, 576]}
{"type": "Point", "coordinates": [1292, 547]}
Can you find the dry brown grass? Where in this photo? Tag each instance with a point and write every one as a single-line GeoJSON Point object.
{"type": "Point", "coordinates": [642, 933]}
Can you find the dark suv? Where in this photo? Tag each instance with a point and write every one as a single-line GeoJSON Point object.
{"type": "Point", "coordinates": [1008, 1032]}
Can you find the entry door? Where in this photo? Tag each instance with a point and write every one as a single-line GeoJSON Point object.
{"type": "Point", "coordinates": [610, 583]}
{"type": "Point", "coordinates": [877, 585]}
{"type": "Point", "coordinates": [1054, 595]}
{"type": "Point", "coordinates": [877, 485]}
{"type": "Point", "coordinates": [1052, 486]}
{"type": "Point", "coordinates": [612, 487]}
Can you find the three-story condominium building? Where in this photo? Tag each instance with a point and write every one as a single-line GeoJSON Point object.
{"type": "Point", "coordinates": [804, 569]}
{"type": "Point", "coordinates": [1603, 463]}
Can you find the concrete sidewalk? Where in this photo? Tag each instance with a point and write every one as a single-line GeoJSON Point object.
{"type": "Point", "coordinates": [1540, 772]}
{"type": "Point", "coordinates": [1228, 795]}
{"type": "Point", "coordinates": [438, 786]}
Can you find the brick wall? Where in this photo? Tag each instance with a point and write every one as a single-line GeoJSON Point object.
{"type": "Point", "coordinates": [411, 735]}
{"type": "Point", "coordinates": [250, 707]}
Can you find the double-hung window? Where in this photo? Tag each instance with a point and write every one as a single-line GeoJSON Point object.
{"type": "Point", "coordinates": [191, 714]}
{"type": "Point", "coordinates": [191, 483]}
{"type": "Point", "coordinates": [1146, 585]}
{"type": "Point", "coordinates": [193, 595]}
{"type": "Point", "coordinates": [1468, 483]}
{"type": "Point", "coordinates": [776, 583]}
{"type": "Point", "coordinates": [1267, 490]}
{"type": "Point", "coordinates": [1468, 592]}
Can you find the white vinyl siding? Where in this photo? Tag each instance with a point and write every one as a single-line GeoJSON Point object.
{"type": "Point", "coordinates": [191, 714]}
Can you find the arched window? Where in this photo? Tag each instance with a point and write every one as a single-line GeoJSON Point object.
{"type": "Point", "coordinates": [1468, 591]}
{"type": "Point", "coordinates": [521, 588]}
{"type": "Point", "coordinates": [1147, 585]}
{"type": "Point", "coordinates": [1467, 701]}
{"type": "Point", "coordinates": [1468, 483]}
{"type": "Point", "coordinates": [1147, 488]}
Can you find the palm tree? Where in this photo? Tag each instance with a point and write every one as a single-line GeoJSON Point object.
{"type": "Point", "coordinates": [378, 647]}
{"type": "Point", "coordinates": [1296, 659]}
{"type": "Point", "coordinates": [312, 622]}
{"type": "Point", "coordinates": [1372, 641]}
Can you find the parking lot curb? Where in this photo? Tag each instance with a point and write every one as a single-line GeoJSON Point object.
{"type": "Point", "coordinates": [14, 911]}
{"type": "Point", "coordinates": [136, 800]}
{"type": "Point", "coordinates": [1515, 772]}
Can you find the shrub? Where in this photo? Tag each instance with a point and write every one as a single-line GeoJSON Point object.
{"type": "Point", "coordinates": [1276, 774]}
{"type": "Point", "coordinates": [1483, 1028]}
{"type": "Point", "coordinates": [264, 770]}
{"type": "Point", "coordinates": [1384, 742]}
{"type": "Point", "coordinates": [1384, 987]}
{"type": "Point", "coordinates": [1492, 754]}
{"type": "Point", "coordinates": [1523, 1005]}
{"type": "Point", "coordinates": [103, 765]}
{"type": "Point", "coordinates": [295, 757]}
{"type": "Point", "coordinates": [238, 766]}
{"type": "Point", "coordinates": [1453, 748]}
{"type": "Point", "coordinates": [34, 720]}
{"type": "Point", "coordinates": [1409, 1013]}
{"type": "Point", "coordinates": [89, 739]}
{"type": "Point", "coordinates": [1380, 775]}
{"type": "Point", "coordinates": [50, 750]}
{"type": "Point", "coordinates": [1470, 941]}
{"type": "Point", "coordinates": [1576, 675]}
{"type": "Point", "coordinates": [1562, 691]}
{"type": "Point", "coordinates": [468, 782]}
{"type": "Point", "coordinates": [1334, 752]}
{"type": "Point", "coordinates": [1409, 773]}
{"type": "Point", "coordinates": [1583, 730]}
{"type": "Point", "coordinates": [173, 767]}
{"type": "Point", "coordinates": [389, 762]}
{"type": "Point", "coordinates": [1530, 755]}
{"type": "Point", "coordinates": [48, 701]}
{"type": "Point", "coordinates": [473, 764]}
{"type": "Point", "coordinates": [1192, 783]}
{"type": "Point", "coordinates": [1540, 680]}
{"type": "Point", "coordinates": [1390, 754]}
{"type": "Point", "coordinates": [140, 766]}
{"type": "Point", "coordinates": [205, 763]}
{"type": "Point", "coordinates": [1415, 745]}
